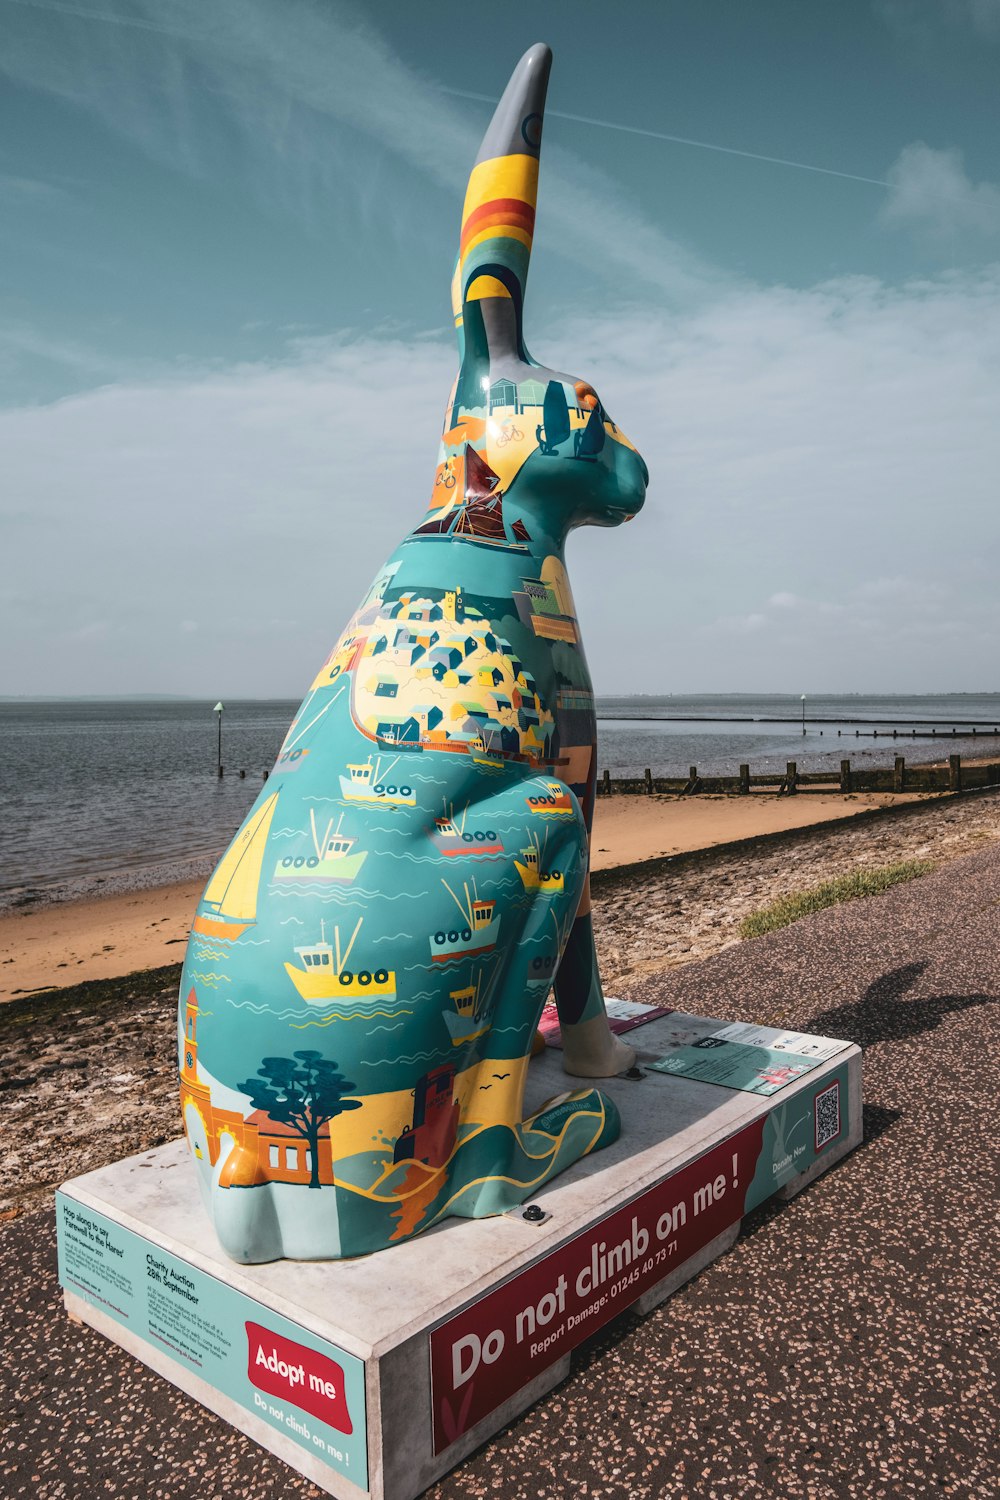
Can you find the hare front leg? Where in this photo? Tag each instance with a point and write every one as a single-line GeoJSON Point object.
{"type": "Point", "coordinates": [590, 1047]}
{"type": "Point", "coordinates": [525, 1153]}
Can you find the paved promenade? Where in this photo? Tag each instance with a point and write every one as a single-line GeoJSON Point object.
{"type": "Point", "coordinates": [847, 1346]}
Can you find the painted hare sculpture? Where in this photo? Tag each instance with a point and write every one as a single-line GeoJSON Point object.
{"type": "Point", "coordinates": [369, 962]}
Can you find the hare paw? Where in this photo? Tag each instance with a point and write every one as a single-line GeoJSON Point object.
{"type": "Point", "coordinates": [591, 1049]}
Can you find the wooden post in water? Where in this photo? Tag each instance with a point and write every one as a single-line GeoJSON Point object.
{"type": "Point", "coordinates": [845, 775]}
{"type": "Point", "coordinates": [899, 773]}
{"type": "Point", "coordinates": [744, 780]}
{"type": "Point", "coordinates": [954, 773]}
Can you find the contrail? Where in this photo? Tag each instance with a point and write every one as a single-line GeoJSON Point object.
{"type": "Point", "coordinates": [655, 135]}
{"type": "Point", "coordinates": [683, 140]}
{"type": "Point", "coordinates": [98, 15]}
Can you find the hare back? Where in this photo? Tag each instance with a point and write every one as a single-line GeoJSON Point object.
{"type": "Point", "coordinates": [386, 927]}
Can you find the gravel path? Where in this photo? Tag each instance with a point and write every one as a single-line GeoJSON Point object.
{"type": "Point", "coordinates": [846, 1346]}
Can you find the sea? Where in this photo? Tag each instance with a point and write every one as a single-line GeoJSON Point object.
{"type": "Point", "coordinates": [106, 796]}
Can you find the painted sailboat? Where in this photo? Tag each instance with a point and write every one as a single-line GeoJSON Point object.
{"type": "Point", "coordinates": [332, 862]}
{"type": "Point", "coordinates": [479, 517]}
{"type": "Point", "coordinates": [322, 977]}
{"type": "Point", "coordinates": [475, 934]}
{"type": "Point", "coordinates": [229, 905]}
{"type": "Point", "coordinates": [533, 876]}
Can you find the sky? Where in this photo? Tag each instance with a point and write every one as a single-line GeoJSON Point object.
{"type": "Point", "coordinates": [768, 233]}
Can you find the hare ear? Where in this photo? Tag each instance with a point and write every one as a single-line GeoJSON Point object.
{"type": "Point", "coordinates": [497, 225]}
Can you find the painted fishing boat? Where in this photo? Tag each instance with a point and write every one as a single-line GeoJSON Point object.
{"type": "Point", "coordinates": [323, 978]}
{"type": "Point", "coordinates": [390, 739]}
{"type": "Point", "coordinates": [469, 1019]}
{"type": "Point", "coordinates": [541, 972]}
{"type": "Point", "coordinates": [368, 783]}
{"type": "Point", "coordinates": [554, 802]}
{"type": "Point", "coordinates": [474, 934]}
{"type": "Point", "coordinates": [533, 876]}
{"type": "Point", "coordinates": [453, 838]}
{"type": "Point", "coordinates": [331, 863]}
{"type": "Point", "coordinates": [229, 905]}
{"type": "Point", "coordinates": [481, 758]}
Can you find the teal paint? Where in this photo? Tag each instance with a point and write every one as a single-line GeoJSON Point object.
{"type": "Point", "coordinates": [374, 950]}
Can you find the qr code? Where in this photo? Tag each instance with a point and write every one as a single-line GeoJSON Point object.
{"type": "Point", "coordinates": [826, 1112]}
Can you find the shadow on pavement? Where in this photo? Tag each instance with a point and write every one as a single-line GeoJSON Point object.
{"type": "Point", "coordinates": [886, 1014]}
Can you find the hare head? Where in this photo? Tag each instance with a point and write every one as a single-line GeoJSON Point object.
{"type": "Point", "coordinates": [546, 435]}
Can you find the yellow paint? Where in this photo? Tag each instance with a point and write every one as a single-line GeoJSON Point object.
{"type": "Point", "coordinates": [555, 575]}
{"type": "Point", "coordinates": [553, 630]}
{"type": "Point", "coordinates": [502, 177]}
{"type": "Point", "coordinates": [486, 286]}
{"type": "Point", "coordinates": [392, 1112]}
{"type": "Point", "coordinates": [233, 887]}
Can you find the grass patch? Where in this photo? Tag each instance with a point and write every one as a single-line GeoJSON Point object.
{"type": "Point", "coordinates": [788, 909]}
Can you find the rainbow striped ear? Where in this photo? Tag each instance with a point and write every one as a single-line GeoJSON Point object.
{"type": "Point", "coordinates": [497, 225]}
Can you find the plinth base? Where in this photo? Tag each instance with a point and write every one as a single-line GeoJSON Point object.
{"type": "Point", "coordinates": [375, 1376]}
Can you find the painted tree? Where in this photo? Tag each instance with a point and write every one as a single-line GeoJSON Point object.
{"type": "Point", "coordinates": [304, 1091]}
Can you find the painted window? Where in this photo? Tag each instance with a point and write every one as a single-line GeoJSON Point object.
{"type": "Point", "coordinates": [292, 1158]}
{"type": "Point", "coordinates": [273, 1157]}
{"type": "Point", "coordinates": [503, 393]}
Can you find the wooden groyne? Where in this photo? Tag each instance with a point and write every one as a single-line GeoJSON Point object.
{"type": "Point", "coordinates": [899, 777]}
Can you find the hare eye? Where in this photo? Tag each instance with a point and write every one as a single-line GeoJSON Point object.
{"type": "Point", "coordinates": [586, 395]}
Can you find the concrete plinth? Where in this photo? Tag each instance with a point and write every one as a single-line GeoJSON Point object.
{"type": "Point", "coordinates": [377, 1375]}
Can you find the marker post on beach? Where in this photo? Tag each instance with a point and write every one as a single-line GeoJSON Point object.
{"type": "Point", "coordinates": [218, 710]}
{"type": "Point", "coordinates": [803, 714]}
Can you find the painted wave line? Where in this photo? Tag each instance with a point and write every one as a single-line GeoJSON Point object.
{"type": "Point", "coordinates": [354, 1015]}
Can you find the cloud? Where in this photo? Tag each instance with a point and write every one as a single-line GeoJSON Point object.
{"type": "Point", "coordinates": [209, 511]}
{"type": "Point", "coordinates": [930, 190]}
{"type": "Point", "coordinates": [303, 116]}
{"type": "Point", "coordinates": [19, 190]}
{"type": "Point", "coordinates": [18, 340]}
{"type": "Point", "coordinates": [822, 507]}
{"type": "Point", "coordinates": [922, 21]}
{"type": "Point", "coordinates": [982, 15]}
{"type": "Point", "coordinates": [806, 448]}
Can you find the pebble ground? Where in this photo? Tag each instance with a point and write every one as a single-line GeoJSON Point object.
{"type": "Point", "coordinates": [847, 1345]}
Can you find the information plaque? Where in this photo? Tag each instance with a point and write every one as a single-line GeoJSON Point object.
{"type": "Point", "coordinates": [307, 1388]}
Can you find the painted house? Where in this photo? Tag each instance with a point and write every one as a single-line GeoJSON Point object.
{"type": "Point", "coordinates": [431, 1138]}
{"type": "Point", "coordinates": [256, 1149]}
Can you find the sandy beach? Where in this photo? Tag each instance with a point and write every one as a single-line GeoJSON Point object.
{"type": "Point", "coordinates": [823, 1303]}
{"type": "Point", "coordinates": [105, 937]}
